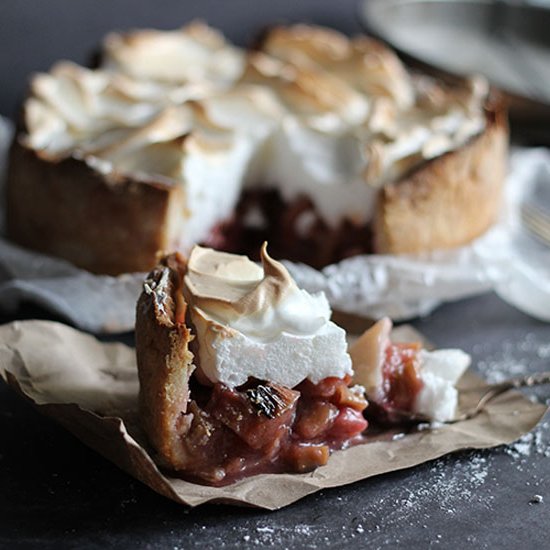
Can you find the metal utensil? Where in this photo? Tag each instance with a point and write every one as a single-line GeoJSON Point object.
{"type": "Point", "coordinates": [537, 221]}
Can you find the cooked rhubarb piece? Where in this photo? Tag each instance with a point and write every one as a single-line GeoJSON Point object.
{"type": "Point", "coordinates": [260, 416]}
{"type": "Point", "coordinates": [401, 374]}
{"type": "Point", "coordinates": [315, 419]}
{"type": "Point", "coordinates": [304, 457]}
{"type": "Point", "coordinates": [348, 424]}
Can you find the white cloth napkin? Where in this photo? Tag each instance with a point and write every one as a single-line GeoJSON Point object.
{"type": "Point", "coordinates": [506, 259]}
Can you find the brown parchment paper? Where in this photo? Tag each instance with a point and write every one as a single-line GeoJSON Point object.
{"type": "Point", "coordinates": [91, 389]}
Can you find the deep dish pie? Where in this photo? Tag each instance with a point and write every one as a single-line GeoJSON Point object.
{"type": "Point", "coordinates": [325, 145]}
{"type": "Point", "coordinates": [241, 372]}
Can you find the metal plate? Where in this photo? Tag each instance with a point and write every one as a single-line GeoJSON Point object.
{"type": "Point", "coordinates": [509, 43]}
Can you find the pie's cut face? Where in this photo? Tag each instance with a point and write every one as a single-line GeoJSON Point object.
{"type": "Point", "coordinates": [241, 372]}
{"type": "Point", "coordinates": [300, 141]}
{"type": "Point", "coordinates": [405, 377]}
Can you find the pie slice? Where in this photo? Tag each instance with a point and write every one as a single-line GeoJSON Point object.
{"type": "Point", "coordinates": [241, 372]}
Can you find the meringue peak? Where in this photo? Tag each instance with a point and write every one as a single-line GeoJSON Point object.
{"type": "Point", "coordinates": [277, 280]}
{"type": "Point", "coordinates": [254, 321]}
{"type": "Point", "coordinates": [233, 283]}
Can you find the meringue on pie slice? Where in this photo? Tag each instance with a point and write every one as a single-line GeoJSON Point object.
{"type": "Point", "coordinates": [405, 378]}
{"type": "Point", "coordinates": [241, 372]}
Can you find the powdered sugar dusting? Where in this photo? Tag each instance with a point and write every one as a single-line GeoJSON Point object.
{"type": "Point", "coordinates": [450, 486]}
{"type": "Point", "coordinates": [269, 533]}
{"type": "Point", "coordinates": [513, 358]}
{"type": "Point", "coordinates": [537, 442]}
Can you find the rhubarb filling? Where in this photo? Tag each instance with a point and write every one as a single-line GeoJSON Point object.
{"type": "Point", "coordinates": [295, 231]}
{"type": "Point", "coordinates": [263, 427]}
{"type": "Point", "coordinates": [401, 381]}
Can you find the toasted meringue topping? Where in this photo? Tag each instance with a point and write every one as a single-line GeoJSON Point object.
{"type": "Point", "coordinates": [306, 92]}
{"type": "Point", "coordinates": [261, 302]}
{"type": "Point", "coordinates": [255, 322]}
{"type": "Point", "coordinates": [194, 53]}
{"type": "Point", "coordinates": [314, 113]}
{"type": "Point", "coordinates": [71, 105]}
{"type": "Point", "coordinates": [362, 63]}
{"type": "Point", "coordinates": [441, 370]}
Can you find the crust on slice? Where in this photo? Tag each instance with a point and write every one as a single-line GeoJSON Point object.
{"type": "Point", "coordinates": [68, 209]}
{"type": "Point", "coordinates": [164, 361]}
{"type": "Point", "coordinates": [449, 200]}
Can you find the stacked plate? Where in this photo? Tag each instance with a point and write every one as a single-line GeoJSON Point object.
{"type": "Point", "coordinates": [506, 41]}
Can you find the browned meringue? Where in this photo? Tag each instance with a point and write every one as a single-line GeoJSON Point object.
{"type": "Point", "coordinates": [253, 321]}
{"type": "Point", "coordinates": [314, 113]}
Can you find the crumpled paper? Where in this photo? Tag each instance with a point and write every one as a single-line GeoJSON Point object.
{"type": "Point", "coordinates": [506, 259]}
{"type": "Point", "coordinates": [91, 389]}
{"type": "Point", "coordinates": [401, 287]}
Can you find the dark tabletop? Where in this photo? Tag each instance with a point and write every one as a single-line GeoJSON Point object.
{"type": "Point", "coordinates": [56, 493]}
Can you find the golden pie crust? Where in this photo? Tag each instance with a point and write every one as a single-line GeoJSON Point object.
{"type": "Point", "coordinates": [164, 361]}
{"type": "Point", "coordinates": [449, 200]}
